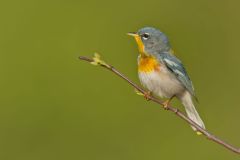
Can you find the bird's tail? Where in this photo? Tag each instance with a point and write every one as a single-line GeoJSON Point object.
{"type": "Point", "coordinates": [192, 113]}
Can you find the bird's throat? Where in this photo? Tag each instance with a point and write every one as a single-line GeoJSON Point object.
{"type": "Point", "coordinates": [140, 45]}
{"type": "Point", "coordinates": [148, 64]}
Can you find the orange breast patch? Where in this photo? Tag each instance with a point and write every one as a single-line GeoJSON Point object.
{"type": "Point", "coordinates": [148, 64]}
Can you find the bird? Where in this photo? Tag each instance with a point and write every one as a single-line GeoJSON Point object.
{"type": "Point", "coordinates": [162, 73]}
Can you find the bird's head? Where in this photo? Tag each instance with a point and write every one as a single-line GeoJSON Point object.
{"type": "Point", "coordinates": [151, 41]}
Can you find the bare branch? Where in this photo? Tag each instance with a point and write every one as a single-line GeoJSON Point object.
{"type": "Point", "coordinates": [97, 61]}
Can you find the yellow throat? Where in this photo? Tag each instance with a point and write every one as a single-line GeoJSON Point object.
{"type": "Point", "coordinates": [140, 44]}
{"type": "Point", "coordinates": [148, 64]}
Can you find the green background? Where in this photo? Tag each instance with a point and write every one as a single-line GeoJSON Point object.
{"type": "Point", "coordinates": [54, 106]}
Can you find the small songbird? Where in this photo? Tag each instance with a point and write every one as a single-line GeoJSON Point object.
{"type": "Point", "coordinates": [162, 73]}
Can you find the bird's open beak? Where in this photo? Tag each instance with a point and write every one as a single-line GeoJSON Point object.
{"type": "Point", "coordinates": [134, 34]}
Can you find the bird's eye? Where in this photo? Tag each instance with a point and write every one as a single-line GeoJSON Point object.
{"type": "Point", "coordinates": [145, 36]}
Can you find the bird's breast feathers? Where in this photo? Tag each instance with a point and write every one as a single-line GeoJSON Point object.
{"type": "Point", "coordinates": [156, 77]}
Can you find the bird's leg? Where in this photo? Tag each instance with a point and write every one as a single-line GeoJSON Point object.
{"type": "Point", "coordinates": [147, 95]}
{"type": "Point", "coordinates": [167, 102]}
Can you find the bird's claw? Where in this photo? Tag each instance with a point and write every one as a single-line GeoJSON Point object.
{"type": "Point", "coordinates": [165, 104]}
{"type": "Point", "coordinates": [147, 95]}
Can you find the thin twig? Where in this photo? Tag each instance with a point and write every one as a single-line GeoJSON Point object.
{"type": "Point", "coordinates": [96, 61]}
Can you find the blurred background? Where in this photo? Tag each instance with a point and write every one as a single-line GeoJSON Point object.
{"type": "Point", "coordinates": [54, 106]}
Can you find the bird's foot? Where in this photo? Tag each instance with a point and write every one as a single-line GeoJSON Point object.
{"type": "Point", "coordinates": [147, 95]}
{"type": "Point", "coordinates": [166, 104]}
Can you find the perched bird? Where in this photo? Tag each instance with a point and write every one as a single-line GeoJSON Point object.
{"type": "Point", "coordinates": [162, 73]}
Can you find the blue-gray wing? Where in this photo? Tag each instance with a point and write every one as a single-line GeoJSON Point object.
{"type": "Point", "coordinates": [177, 68]}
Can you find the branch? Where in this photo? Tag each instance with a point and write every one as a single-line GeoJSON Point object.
{"type": "Point", "coordinates": [97, 61]}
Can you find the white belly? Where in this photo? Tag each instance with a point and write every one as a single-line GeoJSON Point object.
{"type": "Point", "coordinates": [161, 83]}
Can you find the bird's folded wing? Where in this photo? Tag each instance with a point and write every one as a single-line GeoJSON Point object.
{"type": "Point", "coordinates": [177, 68]}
